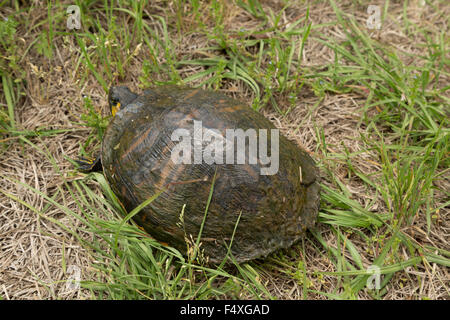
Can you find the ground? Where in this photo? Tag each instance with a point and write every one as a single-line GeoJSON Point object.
{"type": "Point", "coordinates": [369, 104]}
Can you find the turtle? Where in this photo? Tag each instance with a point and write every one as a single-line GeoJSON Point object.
{"type": "Point", "coordinates": [203, 152]}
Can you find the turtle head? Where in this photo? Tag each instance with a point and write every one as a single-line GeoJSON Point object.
{"type": "Point", "coordinates": [119, 97]}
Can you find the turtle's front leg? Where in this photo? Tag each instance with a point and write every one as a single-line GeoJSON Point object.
{"type": "Point", "coordinates": [89, 164]}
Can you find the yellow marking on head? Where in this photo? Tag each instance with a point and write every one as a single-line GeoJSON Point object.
{"type": "Point", "coordinates": [115, 108]}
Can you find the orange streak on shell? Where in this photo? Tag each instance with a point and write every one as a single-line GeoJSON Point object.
{"type": "Point", "coordinates": [136, 143]}
{"type": "Point", "coordinates": [191, 94]}
{"type": "Point", "coordinates": [165, 172]}
{"type": "Point", "coordinates": [233, 108]}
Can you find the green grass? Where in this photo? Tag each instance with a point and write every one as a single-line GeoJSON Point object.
{"type": "Point", "coordinates": [409, 134]}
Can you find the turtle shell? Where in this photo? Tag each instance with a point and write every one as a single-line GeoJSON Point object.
{"type": "Point", "coordinates": [256, 213]}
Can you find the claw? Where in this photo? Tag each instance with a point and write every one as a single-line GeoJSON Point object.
{"type": "Point", "coordinates": [87, 164]}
